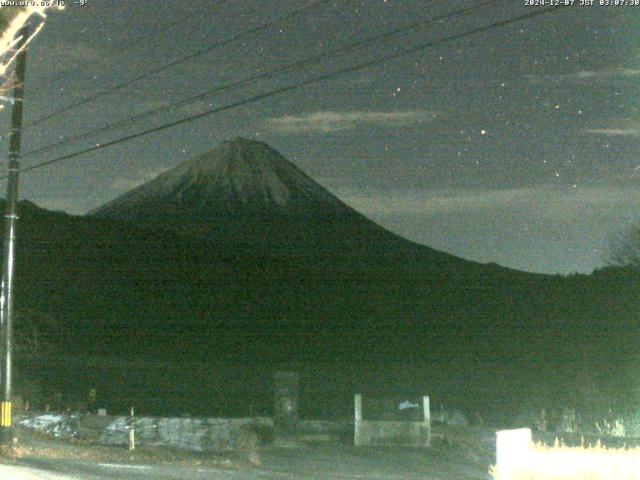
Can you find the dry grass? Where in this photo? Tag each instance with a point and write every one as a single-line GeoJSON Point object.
{"type": "Point", "coordinates": [36, 445]}
{"type": "Point", "coordinates": [572, 463]}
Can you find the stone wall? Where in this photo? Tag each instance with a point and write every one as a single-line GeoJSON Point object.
{"type": "Point", "coordinates": [194, 434]}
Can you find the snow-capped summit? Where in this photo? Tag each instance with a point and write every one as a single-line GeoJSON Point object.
{"type": "Point", "coordinates": [237, 175]}
{"type": "Point", "coordinates": [242, 192]}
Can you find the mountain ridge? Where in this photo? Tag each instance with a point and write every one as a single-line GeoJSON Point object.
{"type": "Point", "coordinates": [245, 193]}
{"type": "Point", "coordinates": [239, 171]}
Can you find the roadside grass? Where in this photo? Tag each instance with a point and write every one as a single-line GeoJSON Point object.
{"type": "Point", "coordinates": [560, 462]}
{"type": "Point", "coordinates": [30, 444]}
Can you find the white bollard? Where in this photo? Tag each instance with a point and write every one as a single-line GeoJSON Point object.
{"type": "Point", "coordinates": [132, 432]}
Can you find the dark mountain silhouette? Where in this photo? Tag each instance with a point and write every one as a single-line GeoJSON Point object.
{"type": "Point", "coordinates": [172, 272]}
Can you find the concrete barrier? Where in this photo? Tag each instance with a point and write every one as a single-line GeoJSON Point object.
{"type": "Point", "coordinates": [388, 432]}
{"type": "Point", "coordinates": [512, 447]}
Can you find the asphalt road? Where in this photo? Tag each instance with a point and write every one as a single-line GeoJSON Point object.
{"type": "Point", "coordinates": [328, 462]}
{"type": "Point", "coordinates": [80, 470]}
{"type": "Point", "coordinates": [456, 453]}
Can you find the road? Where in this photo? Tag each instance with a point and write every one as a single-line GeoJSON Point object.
{"type": "Point", "coordinates": [320, 463]}
{"type": "Point", "coordinates": [458, 453]}
{"type": "Point", "coordinates": [82, 470]}
{"type": "Point", "coordinates": [77, 470]}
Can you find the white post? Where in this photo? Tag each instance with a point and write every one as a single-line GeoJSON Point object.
{"type": "Point", "coordinates": [426, 409]}
{"type": "Point", "coordinates": [358, 406]}
{"type": "Point", "coordinates": [358, 419]}
{"type": "Point", "coordinates": [132, 432]}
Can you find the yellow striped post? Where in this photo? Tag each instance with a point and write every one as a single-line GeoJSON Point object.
{"type": "Point", "coordinates": [5, 414]}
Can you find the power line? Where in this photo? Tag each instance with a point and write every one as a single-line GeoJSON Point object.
{"type": "Point", "coordinates": [304, 83]}
{"type": "Point", "coordinates": [161, 31]}
{"type": "Point", "coordinates": [295, 86]}
{"type": "Point", "coordinates": [175, 62]}
{"type": "Point", "coordinates": [265, 75]}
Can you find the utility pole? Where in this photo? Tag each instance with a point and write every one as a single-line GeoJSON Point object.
{"type": "Point", "coordinates": [10, 217]}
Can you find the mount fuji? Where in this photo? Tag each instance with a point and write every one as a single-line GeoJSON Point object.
{"type": "Point", "coordinates": [244, 194]}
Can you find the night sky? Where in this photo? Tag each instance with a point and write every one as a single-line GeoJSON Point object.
{"type": "Point", "coordinates": [518, 146]}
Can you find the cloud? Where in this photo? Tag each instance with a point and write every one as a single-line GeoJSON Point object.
{"type": "Point", "coordinates": [125, 184]}
{"type": "Point", "coordinates": [620, 128]}
{"type": "Point", "coordinates": [587, 75]}
{"type": "Point", "coordinates": [615, 132]}
{"type": "Point", "coordinates": [71, 205]}
{"type": "Point", "coordinates": [197, 107]}
{"type": "Point", "coordinates": [329, 121]}
{"type": "Point", "coordinates": [543, 201]}
{"type": "Point", "coordinates": [73, 52]}
{"type": "Point", "coordinates": [418, 202]}
{"type": "Point", "coordinates": [537, 228]}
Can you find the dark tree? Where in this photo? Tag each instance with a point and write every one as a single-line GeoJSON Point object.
{"type": "Point", "coordinates": [624, 249]}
